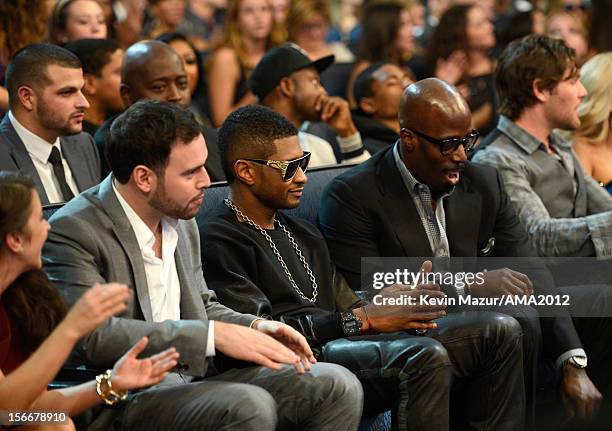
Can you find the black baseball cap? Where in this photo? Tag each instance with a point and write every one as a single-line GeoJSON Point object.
{"type": "Point", "coordinates": [280, 62]}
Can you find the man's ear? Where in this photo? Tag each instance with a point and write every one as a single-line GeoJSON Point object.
{"type": "Point", "coordinates": [27, 97]}
{"type": "Point", "coordinates": [126, 95]}
{"type": "Point", "coordinates": [244, 172]}
{"type": "Point", "coordinates": [368, 105]}
{"type": "Point", "coordinates": [144, 178]}
{"type": "Point", "coordinates": [286, 87]}
{"type": "Point", "coordinates": [14, 242]}
{"type": "Point", "coordinates": [90, 88]}
{"type": "Point", "coordinates": [539, 93]}
{"type": "Point", "coordinates": [408, 139]}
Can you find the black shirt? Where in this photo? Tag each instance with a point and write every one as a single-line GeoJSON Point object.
{"type": "Point", "coordinates": [241, 267]}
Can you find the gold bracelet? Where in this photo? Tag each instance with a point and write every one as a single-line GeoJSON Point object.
{"type": "Point", "coordinates": [104, 388]}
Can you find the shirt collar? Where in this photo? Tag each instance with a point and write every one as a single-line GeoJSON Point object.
{"type": "Point", "coordinates": [35, 145]}
{"type": "Point", "coordinates": [412, 184]}
{"type": "Point", "coordinates": [409, 180]}
{"type": "Point", "coordinates": [144, 236]}
{"type": "Point", "coordinates": [526, 140]}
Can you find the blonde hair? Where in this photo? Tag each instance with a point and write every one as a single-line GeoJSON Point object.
{"type": "Point", "coordinates": [232, 37]}
{"type": "Point", "coordinates": [563, 13]}
{"type": "Point", "coordinates": [594, 111]}
{"type": "Point", "coordinates": [302, 11]}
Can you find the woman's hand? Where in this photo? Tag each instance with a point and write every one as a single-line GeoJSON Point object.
{"type": "Point", "coordinates": [131, 373]}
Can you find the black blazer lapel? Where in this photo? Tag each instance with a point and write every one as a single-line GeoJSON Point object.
{"type": "Point", "coordinates": [463, 210]}
{"type": "Point", "coordinates": [22, 158]}
{"type": "Point", "coordinates": [398, 207]}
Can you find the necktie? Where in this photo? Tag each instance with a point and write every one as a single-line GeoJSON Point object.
{"type": "Point", "coordinates": [58, 169]}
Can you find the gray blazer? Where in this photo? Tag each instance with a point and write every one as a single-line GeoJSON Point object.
{"type": "Point", "coordinates": [79, 151]}
{"type": "Point", "coordinates": [92, 241]}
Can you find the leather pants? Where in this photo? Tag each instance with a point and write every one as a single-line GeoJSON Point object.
{"type": "Point", "coordinates": [480, 353]}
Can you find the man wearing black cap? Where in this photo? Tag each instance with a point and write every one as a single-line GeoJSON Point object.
{"type": "Point", "coordinates": [288, 82]}
{"type": "Point", "coordinates": [378, 93]}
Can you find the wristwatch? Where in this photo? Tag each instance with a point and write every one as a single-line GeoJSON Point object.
{"type": "Point", "coordinates": [351, 324]}
{"type": "Point", "coordinates": [579, 362]}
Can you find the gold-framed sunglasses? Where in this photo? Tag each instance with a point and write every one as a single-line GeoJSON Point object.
{"type": "Point", "coordinates": [288, 168]}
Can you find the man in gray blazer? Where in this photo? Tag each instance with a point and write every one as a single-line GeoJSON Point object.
{"type": "Point", "coordinates": [137, 228]}
{"type": "Point", "coordinates": [41, 136]}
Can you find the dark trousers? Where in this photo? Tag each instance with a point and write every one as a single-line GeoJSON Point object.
{"type": "Point", "coordinates": [591, 308]}
{"type": "Point", "coordinates": [481, 352]}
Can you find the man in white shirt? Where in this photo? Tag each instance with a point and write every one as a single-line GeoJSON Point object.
{"type": "Point", "coordinates": [41, 136]}
{"type": "Point", "coordinates": [137, 228]}
{"type": "Point", "coordinates": [288, 82]}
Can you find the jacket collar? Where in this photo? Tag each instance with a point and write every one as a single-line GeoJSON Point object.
{"type": "Point", "coordinates": [463, 210]}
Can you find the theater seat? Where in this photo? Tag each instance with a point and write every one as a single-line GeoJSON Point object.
{"type": "Point", "coordinates": [49, 210]}
{"type": "Point", "coordinates": [335, 78]}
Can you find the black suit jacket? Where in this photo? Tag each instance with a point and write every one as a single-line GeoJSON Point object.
{"type": "Point", "coordinates": [368, 212]}
{"type": "Point", "coordinates": [79, 151]}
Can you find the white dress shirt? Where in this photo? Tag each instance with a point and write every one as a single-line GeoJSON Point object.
{"type": "Point", "coordinates": [162, 277]}
{"type": "Point", "coordinates": [39, 151]}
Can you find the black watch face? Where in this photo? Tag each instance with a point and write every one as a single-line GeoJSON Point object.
{"type": "Point", "coordinates": [351, 326]}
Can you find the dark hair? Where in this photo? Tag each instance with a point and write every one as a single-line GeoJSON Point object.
{"type": "Point", "coordinates": [145, 133]}
{"type": "Point", "coordinates": [450, 35]}
{"type": "Point", "coordinates": [250, 132]}
{"type": "Point", "coordinates": [525, 60]}
{"type": "Point", "coordinates": [363, 83]}
{"type": "Point", "coordinates": [516, 25]}
{"type": "Point", "coordinates": [57, 21]}
{"type": "Point", "coordinates": [381, 22]}
{"type": "Point", "coordinates": [601, 15]}
{"type": "Point", "coordinates": [171, 37]}
{"type": "Point", "coordinates": [32, 303]}
{"type": "Point", "coordinates": [94, 54]}
{"type": "Point", "coordinates": [15, 204]}
{"type": "Point", "coordinates": [29, 67]}
{"type": "Point", "coordinates": [35, 306]}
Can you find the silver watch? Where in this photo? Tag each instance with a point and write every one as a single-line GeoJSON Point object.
{"type": "Point", "coordinates": [579, 362]}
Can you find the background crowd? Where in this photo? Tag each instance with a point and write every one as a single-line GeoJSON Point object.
{"type": "Point", "coordinates": [221, 41]}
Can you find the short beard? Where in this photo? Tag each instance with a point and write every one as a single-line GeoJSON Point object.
{"type": "Point", "coordinates": [48, 122]}
{"type": "Point", "coordinates": [168, 207]}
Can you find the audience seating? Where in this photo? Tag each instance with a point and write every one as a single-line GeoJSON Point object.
{"type": "Point", "coordinates": [335, 78]}
{"type": "Point", "coordinates": [49, 210]}
{"type": "Point", "coordinates": [308, 210]}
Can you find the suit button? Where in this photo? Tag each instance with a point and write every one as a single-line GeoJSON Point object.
{"type": "Point", "coordinates": [182, 367]}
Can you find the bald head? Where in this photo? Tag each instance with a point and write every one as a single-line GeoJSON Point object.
{"type": "Point", "coordinates": [430, 103]}
{"type": "Point", "coordinates": [153, 70]}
